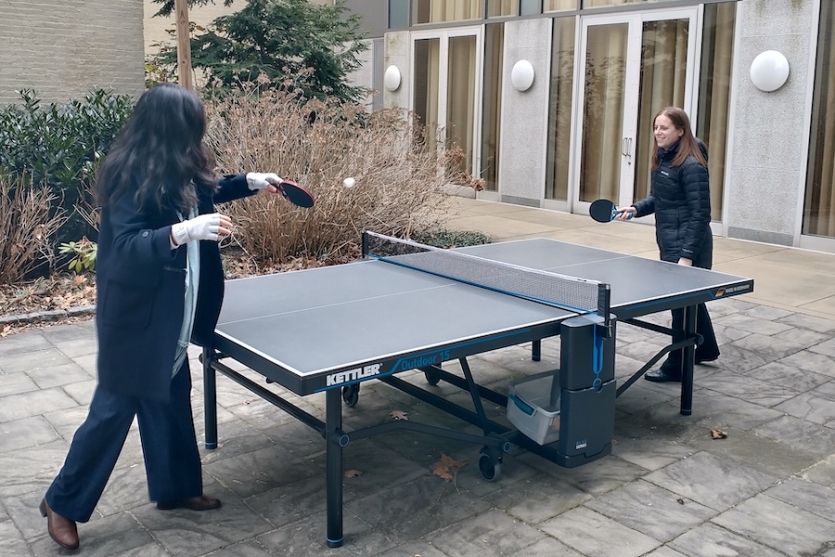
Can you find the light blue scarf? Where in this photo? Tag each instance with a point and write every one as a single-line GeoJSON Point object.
{"type": "Point", "coordinates": [192, 283]}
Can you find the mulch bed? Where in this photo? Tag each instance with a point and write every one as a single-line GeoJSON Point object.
{"type": "Point", "coordinates": [67, 297]}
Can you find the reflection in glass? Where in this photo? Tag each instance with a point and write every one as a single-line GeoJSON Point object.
{"type": "Point", "coordinates": [438, 11]}
{"type": "Point", "coordinates": [714, 94]}
{"type": "Point", "coordinates": [427, 58]}
{"type": "Point", "coordinates": [501, 8]}
{"type": "Point", "coordinates": [492, 105]}
{"type": "Point", "coordinates": [603, 106]}
{"type": "Point", "coordinates": [819, 201]}
{"type": "Point", "coordinates": [605, 3]}
{"type": "Point", "coordinates": [559, 5]}
{"type": "Point", "coordinates": [662, 84]}
{"type": "Point", "coordinates": [559, 109]}
{"type": "Point", "coordinates": [460, 106]}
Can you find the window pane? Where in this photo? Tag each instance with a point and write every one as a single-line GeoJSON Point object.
{"type": "Point", "coordinates": [492, 105]}
{"type": "Point", "coordinates": [460, 95]}
{"type": "Point", "coordinates": [398, 13]}
{"type": "Point", "coordinates": [559, 109]}
{"type": "Point", "coordinates": [438, 11]}
{"type": "Point", "coordinates": [530, 7]}
{"type": "Point", "coordinates": [662, 83]}
{"type": "Point", "coordinates": [559, 5]}
{"type": "Point", "coordinates": [427, 64]}
{"type": "Point", "coordinates": [501, 8]}
{"type": "Point", "coordinates": [714, 94]}
{"type": "Point", "coordinates": [604, 3]}
{"type": "Point", "coordinates": [819, 202]}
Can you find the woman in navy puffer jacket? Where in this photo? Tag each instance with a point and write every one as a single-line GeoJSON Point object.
{"type": "Point", "coordinates": [680, 199]}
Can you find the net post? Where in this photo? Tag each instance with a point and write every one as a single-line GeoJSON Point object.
{"type": "Point", "coordinates": [604, 300]}
{"type": "Point", "coordinates": [364, 241]}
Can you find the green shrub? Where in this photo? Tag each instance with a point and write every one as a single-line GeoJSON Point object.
{"type": "Point", "coordinates": [61, 144]}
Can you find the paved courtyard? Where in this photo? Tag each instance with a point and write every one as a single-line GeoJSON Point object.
{"type": "Point", "coordinates": [669, 489]}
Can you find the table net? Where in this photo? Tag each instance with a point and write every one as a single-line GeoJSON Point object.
{"type": "Point", "coordinates": [571, 293]}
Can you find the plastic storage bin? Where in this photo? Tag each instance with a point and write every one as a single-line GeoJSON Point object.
{"type": "Point", "coordinates": [529, 407]}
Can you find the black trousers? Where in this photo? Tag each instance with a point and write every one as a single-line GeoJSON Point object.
{"type": "Point", "coordinates": [706, 351]}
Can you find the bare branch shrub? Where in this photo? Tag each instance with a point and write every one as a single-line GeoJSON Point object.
{"type": "Point", "coordinates": [398, 191]}
{"type": "Point", "coordinates": [28, 219]}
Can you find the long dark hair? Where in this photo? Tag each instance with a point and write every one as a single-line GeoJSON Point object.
{"type": "Point", "coordinates": [687, 145]}
{"type": "Point", "coordinates": [159, 152]}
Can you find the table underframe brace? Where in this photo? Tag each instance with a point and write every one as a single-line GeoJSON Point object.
{"type": "Point", "coordinates": [585, 429]}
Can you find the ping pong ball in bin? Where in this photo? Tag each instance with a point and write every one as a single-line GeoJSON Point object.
{"type": "Point", "coordinates": [349, 182]}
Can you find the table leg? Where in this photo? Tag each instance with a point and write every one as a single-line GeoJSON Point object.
{"type": "Point", "coordinates": [536, 350]}
{"type": "Point", "coordinates": [689, 360]}
{"type": "Point", "coordinates": [209, 400]}
{"type": "Point", "coordinates": [333, 427]}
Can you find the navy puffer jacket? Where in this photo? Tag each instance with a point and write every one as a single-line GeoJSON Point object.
{"type": "Point", "coordinates": [680, 199]}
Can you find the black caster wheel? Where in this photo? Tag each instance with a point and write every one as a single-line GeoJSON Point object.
{"type": "Point", "coordinates": [490, 466]}
{"type": "Point", "coordinates": [351, 395]}
{"type": "Point", "coordinates": [432, 377]}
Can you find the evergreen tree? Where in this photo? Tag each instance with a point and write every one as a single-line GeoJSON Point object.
{"type": "Point", "coordinates": [278, 42]}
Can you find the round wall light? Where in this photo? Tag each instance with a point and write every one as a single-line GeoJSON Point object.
{"type": "Point", "coordinates": [769, 71]}
{"type": "Point", "coordinates": [391, 79]}
{"type": "Point", "coordinates": [521, 76]}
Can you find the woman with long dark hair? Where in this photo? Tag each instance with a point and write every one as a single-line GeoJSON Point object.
{"type": "Point", "coordinates": [159, 286]}
{"type": "Point", "coordinates": [680, 199]}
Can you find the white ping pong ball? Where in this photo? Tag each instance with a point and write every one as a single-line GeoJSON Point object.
{"type": "Point", "coordinates": [349, 182]}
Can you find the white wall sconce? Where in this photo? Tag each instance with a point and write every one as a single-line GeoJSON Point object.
{"type": "Point", "coordinates": [391, 79]}
{"type": "Point", "coordinates": [769, 71]}
{"type": "Point", "coordinates": [521, 76]}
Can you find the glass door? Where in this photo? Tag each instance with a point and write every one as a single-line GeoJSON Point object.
{"type": "Point", "coordinates": [445, 95]}
{"type": "Point", "coordinates": [633, 66]}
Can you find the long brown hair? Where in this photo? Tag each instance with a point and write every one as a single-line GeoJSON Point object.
{"type": "Point", "coordinates": [687, 144]}
{"type": "Point", "coordinates": [159, 151]}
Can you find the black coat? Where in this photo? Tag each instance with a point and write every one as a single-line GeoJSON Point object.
{"type": "Point", "coordinates": [680, 199]}
{"type": "Point", "coordinates": [140, 284]}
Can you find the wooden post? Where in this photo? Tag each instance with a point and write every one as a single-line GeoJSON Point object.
{"type": "Point", "coordinates": [183, 44]}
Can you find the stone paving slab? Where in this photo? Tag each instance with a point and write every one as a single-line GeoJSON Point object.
{"type": "Point", "coordinates": [669, 489]}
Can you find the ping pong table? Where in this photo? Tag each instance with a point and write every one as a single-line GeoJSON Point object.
{"type": "Point", "coordinates": [330, 329]}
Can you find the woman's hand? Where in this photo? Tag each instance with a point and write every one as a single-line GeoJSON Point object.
{"type": "Point", "coordinates": [263, 180]}
{"type": "Point", "coordinates": [626, 213]}
{"type": "Point", "coordinates": [686, 262]}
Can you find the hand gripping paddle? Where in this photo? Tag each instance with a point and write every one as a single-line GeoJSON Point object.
{"type": "Point", "coordinates": [295, 194]}
{"type": "Point", "coordinates": [604, 210]}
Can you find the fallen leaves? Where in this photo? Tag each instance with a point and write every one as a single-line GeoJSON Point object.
{"type": "Point", "coordinates": [399, 415]}
{"type": "Point", "coordinates": [447, 467]}
{"type": "Point", "coordinates": [717, 433]}
{"type": "Point", "coordinates": [353, 473]}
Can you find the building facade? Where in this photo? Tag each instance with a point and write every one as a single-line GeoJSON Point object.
{"type": "Point", "coordinates": [64, 49]}
{"type": "Point", "coordinates": [552, 101]}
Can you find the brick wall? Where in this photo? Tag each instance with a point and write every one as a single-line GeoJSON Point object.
{"type": "Point", "coordinates": [65, 48]}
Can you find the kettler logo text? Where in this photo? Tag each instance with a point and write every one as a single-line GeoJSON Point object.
{"type": "Point", "coordinates": [353, 375]}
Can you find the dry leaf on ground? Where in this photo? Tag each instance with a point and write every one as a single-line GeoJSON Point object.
{"type": "Point", "coordinates": [447, 467]}
{"type": "Point", "coordinates": [353, 473]}
{"type": "Point", "coordinates": [399, 415]}
{"type": "Point", "coordinates": [717, 433]}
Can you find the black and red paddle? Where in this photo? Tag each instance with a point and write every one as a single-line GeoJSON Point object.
{"type": "Point", "coordinates": [295, 194]}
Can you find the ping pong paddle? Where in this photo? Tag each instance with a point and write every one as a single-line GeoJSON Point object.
{"type": "Point", "coordinates": [295, 194]}
{"type": "Point", "coordinates": [603, 210]}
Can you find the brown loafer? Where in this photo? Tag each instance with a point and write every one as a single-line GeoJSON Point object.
{"type": "Point", "coordinates": [661, 376]}
{"type": "Point", "coordinates": [62, 530]}
{"type": "Point", "coordinates": [202, 503]}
